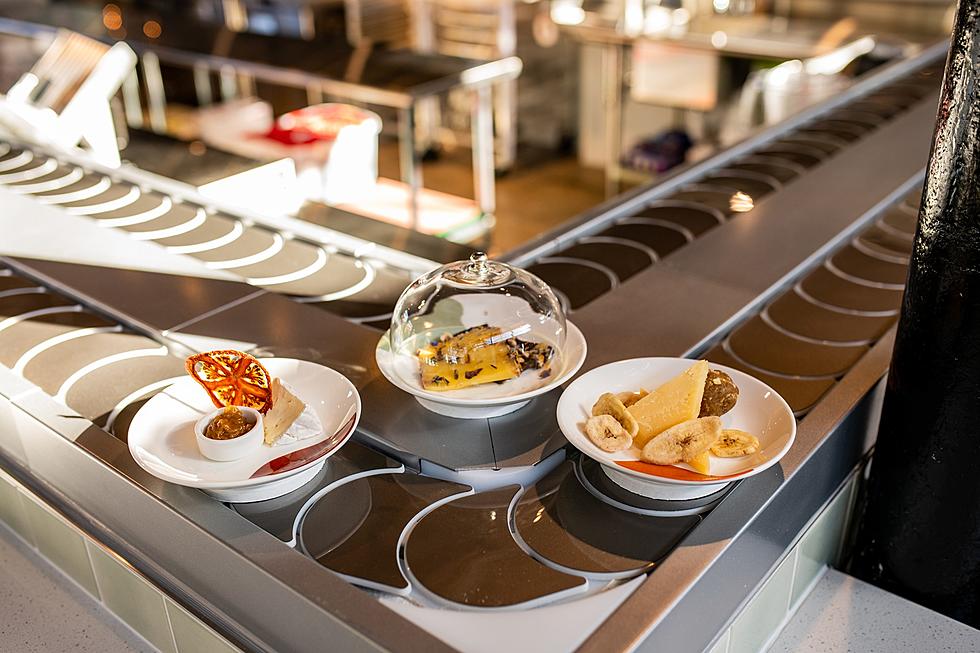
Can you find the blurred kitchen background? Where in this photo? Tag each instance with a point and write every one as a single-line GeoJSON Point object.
{"type": "Point", "coordinates": [486, 122]}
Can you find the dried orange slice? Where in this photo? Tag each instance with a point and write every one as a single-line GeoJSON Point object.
{"type": "Point", "coordinates": [232, 378]}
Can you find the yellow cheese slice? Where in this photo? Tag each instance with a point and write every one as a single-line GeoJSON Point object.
{"type": "Point", "coordinates": [286, 407]}
{"type": "Point", "coordinates": [701, 463]}
{"type": "Point", "coordinates": [676, 401]}
{"type": "Point", "coordinates": [472, 357]}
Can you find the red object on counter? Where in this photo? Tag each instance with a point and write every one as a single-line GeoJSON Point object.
{"type": "Point", "coordinates": [317, 123]}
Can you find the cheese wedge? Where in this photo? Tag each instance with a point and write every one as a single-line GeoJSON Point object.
{"type": "Point", "coordinates": [286, 407]}
{"type": "Point", "coordinates": [701, 463]}
{"type": "Point", "coordinates": [676, 401]}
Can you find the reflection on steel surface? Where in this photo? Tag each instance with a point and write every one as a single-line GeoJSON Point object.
{"type": "Point", "coordinates": [102, 362]}
{"type": "Point", "coordinates": [273, 249]}
{"type": "Point", "coordinates": [29, 355]}
{"type": "Point", "coordinates": [144, 216]}
{"type": "Point", "coordinates": [131, 196]}
{"type": "Point", "coordinates": [169, 232]}
{"type": "Point", "coordinates": [321, 260]}
{"type": "Point", "coordinates": [102, 185]}
{"type": "Point", "coordinates": [70, 177]}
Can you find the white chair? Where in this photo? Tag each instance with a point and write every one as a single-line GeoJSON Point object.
{"type": "Point", "coordinates": [63, 101]}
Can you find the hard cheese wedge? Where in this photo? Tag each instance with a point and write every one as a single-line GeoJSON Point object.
{"type": "Point", "coordinates": [701, 463]}
{"type": "Point", "coordinates": [676, 401]}
{"type": "Point", "coordinates": [469, 358]}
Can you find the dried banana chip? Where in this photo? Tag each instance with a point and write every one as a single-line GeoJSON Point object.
{"type": "Point", "coordinates": [630, 398]}
{"type": "Point", "coordinates": [607, 433]}
{"type": "Point", "coordinates": [609, 404]}
{"type": "Point", "coordinates": [734, 443]}
{"type": "Point", "coordinates": [683, 442]}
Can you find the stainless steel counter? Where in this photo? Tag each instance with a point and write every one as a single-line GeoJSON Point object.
{"type": "Point", "coordinates": [719, 289]}
{"type": "Point", "coordinates": [758, 36]}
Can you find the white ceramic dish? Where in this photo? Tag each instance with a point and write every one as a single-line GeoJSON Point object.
{"type": "Point", "coordinates": [482, 401]}
{"type": "Point", "coordinates": [162, 439]}
{"type": "Point", "coordinates": [760, 411]}
{"type": "Point", "coordinates": [235, 448]}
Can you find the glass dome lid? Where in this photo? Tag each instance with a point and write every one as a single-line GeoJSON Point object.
{"type": "Point", "coordinates": [477, 329]}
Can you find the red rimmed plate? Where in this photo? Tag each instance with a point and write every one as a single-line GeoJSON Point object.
{"type": "Point", "coordinates": [759, 410]}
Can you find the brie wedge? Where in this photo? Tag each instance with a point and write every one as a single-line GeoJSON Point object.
{"type": "Point", "coordinates": [289, 420]}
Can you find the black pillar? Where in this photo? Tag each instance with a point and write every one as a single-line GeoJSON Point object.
{"type": "Point", "coordinates": [920, 534]}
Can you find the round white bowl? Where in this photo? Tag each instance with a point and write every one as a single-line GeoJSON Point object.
{"type": "Point", "coordinates": [759, 410]}
{"type": "Point", "coordinates": [224, 451]}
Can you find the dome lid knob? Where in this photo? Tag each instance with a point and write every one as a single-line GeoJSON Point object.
{"type": "Point", "coordinates": [480, 271]}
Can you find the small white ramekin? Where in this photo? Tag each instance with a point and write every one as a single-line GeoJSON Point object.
{"type": "Point", "coordinates": [228, 450]}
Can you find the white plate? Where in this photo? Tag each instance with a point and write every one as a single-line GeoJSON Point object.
{"type": "Point", "coordinates": [759, 410]}
{"type": "Point", "coordinates": [162, 440]}
{"type": "Point", "coordinates": [487, 400]}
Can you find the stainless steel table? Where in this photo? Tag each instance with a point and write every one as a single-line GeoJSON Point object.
{"type": "Point", "coordinates": [755, 36]}
{"type": "Point", "coordinates": [398, 79]}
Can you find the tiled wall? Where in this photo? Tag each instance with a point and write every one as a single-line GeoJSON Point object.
{"type": "Point", "coordinates": [108, 578]}
{"type": "Point", "coordinates": [759, 621]}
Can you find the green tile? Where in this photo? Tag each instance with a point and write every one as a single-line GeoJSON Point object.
{"type": "Point", "coordinates": [12, 511]}
{"type": "Point", "coordinates": [849, 531]}
{"type": "Point", "coordinates": [820, 545]}
{"type": "Point", "coordinates": [132, 599]}
{"type": "Point", "coordinates": [764, 614]}
{"type": "Point", "coordinates": [10, 435]}
{"type": "Point", "coordinates": [193, 635]}
{"type": "Point", "coordinates": [721, 644]}
{"type": "Point", "coordinates": [60, 543]}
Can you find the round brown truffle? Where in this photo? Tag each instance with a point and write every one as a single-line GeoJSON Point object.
{"type": "Point", "coordinates": [720, 394]}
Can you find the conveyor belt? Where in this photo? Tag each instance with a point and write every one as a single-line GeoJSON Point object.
{"type": "Point", "coordinates": [358, 287]}
{"type": "Point", "coordinates": [382, 527]}
{"type": "Point", "coordinates": [360, 513]}
{"type": "Point", "coordinates": [613, 248]}
{"type": "Point", "coordinates": [499, 519]}
{"type": "Point", "coordinates": [813, 333]}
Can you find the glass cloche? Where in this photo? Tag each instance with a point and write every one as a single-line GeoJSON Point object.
{"type": "Point", "coordinates": [477, 330]}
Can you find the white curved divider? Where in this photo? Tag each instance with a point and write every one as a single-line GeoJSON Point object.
{"type": "Point", "coordinates": [151, 214]}
{"type": "Point", "coordinates": [44, 345]}
{"type": "Point", "coordinates": [267, 253]}
{"type": "Point", "coordinates": [97, 188]}
{"type": "Point", "coordinates": [236, 231]}
{"type": "Point", "coordinates": [73, 175]}
{"type": "Point", "coordinates": [110, 205]}
{"type": "Point", "coordinates": [193, 223]}
{"type": "Point", "coordinates": [45, 168]}
{"type": "Point", "coordinates": [76, 376]}
{"type": "Point", "coordinates": [137, 394]}
{"type": "Point", "coordinates": [312, 268]}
